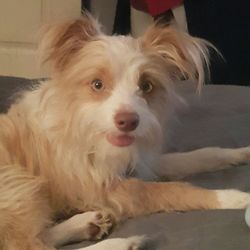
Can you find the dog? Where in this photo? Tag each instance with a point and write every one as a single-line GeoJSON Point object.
{"type": "Point", "coordinates": [76, 144]}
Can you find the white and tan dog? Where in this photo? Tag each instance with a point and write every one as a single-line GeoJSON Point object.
{"type": "Point", "coordinates": [72, 143]}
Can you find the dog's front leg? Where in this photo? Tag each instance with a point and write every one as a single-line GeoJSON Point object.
{"type": "Point", "coordinates": [133, 197]}
{"type": "Point", "coordinates": [175, 166]}
{"type": "Point", "coordinates": [92, 225]}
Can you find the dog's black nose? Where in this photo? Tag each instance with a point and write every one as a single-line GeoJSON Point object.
{"type": "Point", "coordinates": [126, 121]}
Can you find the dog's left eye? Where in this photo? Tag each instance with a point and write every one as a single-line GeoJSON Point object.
{"type": "Point", "coordinates": [97, 85]}
{"type": "Point", "coordinates": [146, 86]}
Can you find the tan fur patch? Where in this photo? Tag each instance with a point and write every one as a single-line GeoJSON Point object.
{"type": "Point", "coordinates": [134, 197]}
{"type": "Point", "coordinates": [63, 41]}
{"type": "Point", "coordinates": [178, 49]}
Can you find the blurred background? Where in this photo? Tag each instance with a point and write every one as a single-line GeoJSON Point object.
{"type": "Point", "coordinates": [225, 23]}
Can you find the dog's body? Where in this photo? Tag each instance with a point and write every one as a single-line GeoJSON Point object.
{"type": "Point", "coordinates": [70, 144]}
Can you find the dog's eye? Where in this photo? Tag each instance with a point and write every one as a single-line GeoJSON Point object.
{"type": "Point", "coordinates": [146, 86]}
{"type": "Point", "coordinates": [97, 85]}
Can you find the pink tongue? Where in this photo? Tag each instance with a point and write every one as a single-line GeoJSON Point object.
{"type": "Point", "coordinates": [120, 140]}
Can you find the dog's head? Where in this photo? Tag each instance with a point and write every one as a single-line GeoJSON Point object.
{"type": "Point", "coordinates": [115, 90]}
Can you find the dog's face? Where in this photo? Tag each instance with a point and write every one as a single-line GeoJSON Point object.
{"type": "Point", "coordinates": [117, 89]}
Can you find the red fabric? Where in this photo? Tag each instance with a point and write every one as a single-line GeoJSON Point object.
{"type": "Point", "coordinates": [155, 7]}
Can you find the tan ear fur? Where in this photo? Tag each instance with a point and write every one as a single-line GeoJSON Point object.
{"type": "Point", "coordinates": [188, 55]}
{"type": "Point", "coordinates": [62, 41]}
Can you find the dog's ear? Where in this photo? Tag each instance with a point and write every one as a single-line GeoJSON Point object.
{"type": "Point", "coordinates": [187, 55]}
{"type": "Point", "coordinates": [62, 41]}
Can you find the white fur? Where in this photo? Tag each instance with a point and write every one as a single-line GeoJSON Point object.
{"type": "Point", "coordinates": [233, 199]}
{"type": "Point", "coordinates": [132, 243]}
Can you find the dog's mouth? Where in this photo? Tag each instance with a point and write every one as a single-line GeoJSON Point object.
{"type": "Point", "coordinates": [120, 140]}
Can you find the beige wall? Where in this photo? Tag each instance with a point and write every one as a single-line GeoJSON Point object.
{"type": "Point", "coordinates": [20, 22]}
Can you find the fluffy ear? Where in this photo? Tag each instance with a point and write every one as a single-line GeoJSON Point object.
{"type": "Point", "coordinates": [62, 41]}
{"type": "Point", "coordinates": [187, 54]}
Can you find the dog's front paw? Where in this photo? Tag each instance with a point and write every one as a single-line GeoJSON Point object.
{"type": "Point", "coordinates": [237, 156]}
{"type": "Point", "coordinates": [244, 154]}
{"type": "Point", "coordinates": [100, 225]}
{"type": "Point", "coordinates": [141, 243]}
{"type": "Point", "coordinates": [92, 225]}
{"type": "Point", "coordinates": [232, 199]}
{"type": "Point", "coordinates": [131, 243]}
{"type": "Point", "coordinates": [136, 243]}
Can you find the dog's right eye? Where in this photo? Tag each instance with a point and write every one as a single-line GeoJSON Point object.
{"type": "Point", "coordinates": [146, 86]}
{"type": "Point", "coordinates": [97, 85]}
